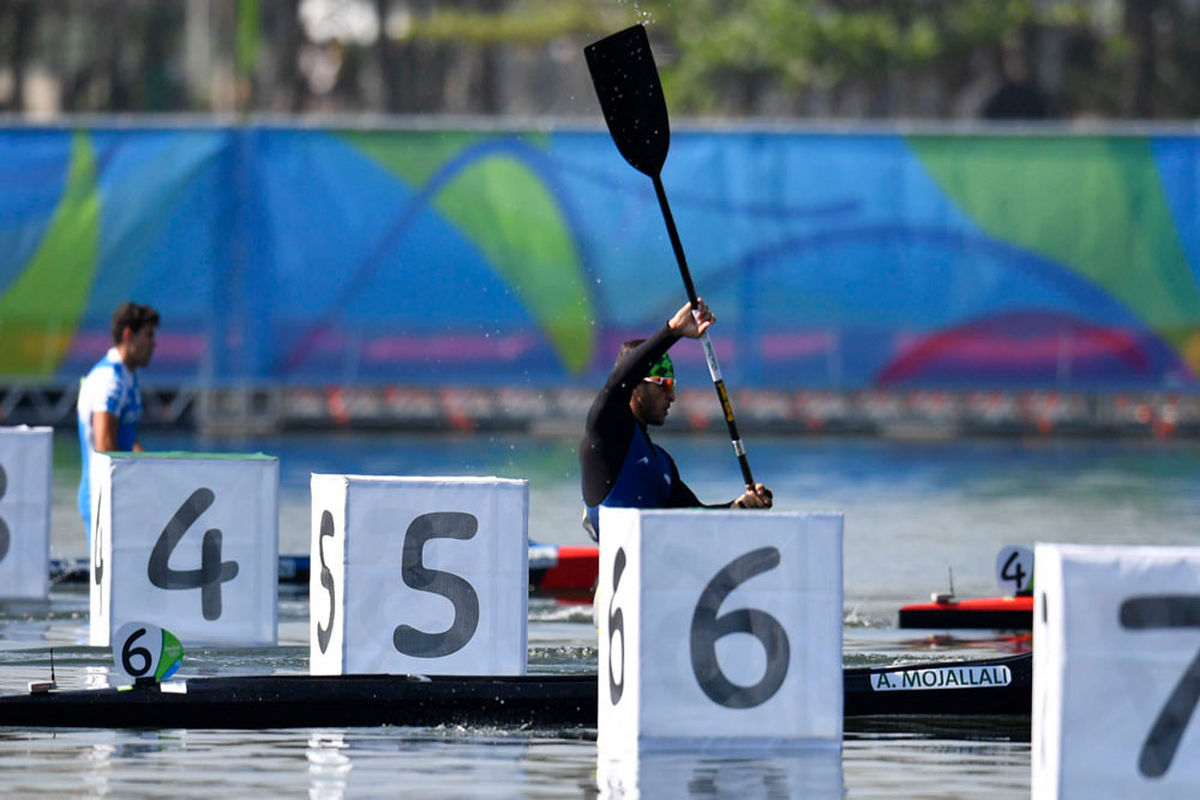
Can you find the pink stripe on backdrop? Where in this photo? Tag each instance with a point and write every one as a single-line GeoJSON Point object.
{"type": "Point", "coordinates": [448, 348]}
{"type": "Point", "coordinates": [611, 341]}
{"type": "Point", "coordinates": [169, 347]}
{"type": "Point", "coordinates": [796, 345]}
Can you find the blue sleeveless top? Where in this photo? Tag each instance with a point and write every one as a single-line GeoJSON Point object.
{"type": "Point", "coordinates": [645, 481]}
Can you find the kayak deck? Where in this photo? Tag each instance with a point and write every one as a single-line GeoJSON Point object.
{"type": "Point", "coordinates": [998, 613]}
{"type": "Point", "coordinates": [961, 689]}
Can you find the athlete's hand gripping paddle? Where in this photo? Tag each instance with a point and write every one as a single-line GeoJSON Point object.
{"type": "Point", "coordinates": [631, 98]}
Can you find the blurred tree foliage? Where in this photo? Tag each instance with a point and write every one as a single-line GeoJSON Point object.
{"type": "Point", "coordinates": [1111, 59]}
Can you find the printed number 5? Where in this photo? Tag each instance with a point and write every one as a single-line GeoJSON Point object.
{"type": "Point", "coordinates": [324, 631]}
{"type": "Point", "coordinates": [419, 644]}
{"type": "Point", "coordinates": [707, 628]}
{"type": "Point", "coordinates": [1166, 611]}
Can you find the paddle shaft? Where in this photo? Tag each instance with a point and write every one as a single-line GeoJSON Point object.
{"type": "Point", "coordinates": [714, 369]}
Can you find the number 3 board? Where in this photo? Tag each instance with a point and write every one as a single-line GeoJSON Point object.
{"type": "Point", "coordinates": [719, 627]}
{"type": "Point", "coordinates": [1116, 672]}
{"type": "Point", "coordinates": [25, 456]}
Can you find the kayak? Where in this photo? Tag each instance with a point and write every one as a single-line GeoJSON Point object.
{"type": "Point", "coordinates": [999, 613]}
{"type": "Point", "coordinates": [979, 690]}
{"type": "Point", "coordinates": [553, 569]}
{"type": "Point", "coordinates": [1011, 612]}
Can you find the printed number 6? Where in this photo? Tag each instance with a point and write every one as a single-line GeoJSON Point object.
{"type": "Point", "coordinates": [129, 652]}
{"type": "Point", "coordinates": [616, 624]}
{"type": "Point", "coordinates": [707, 628]}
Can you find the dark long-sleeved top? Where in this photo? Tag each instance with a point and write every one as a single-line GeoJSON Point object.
{"type": "Point", "coordinates": [620, 465]}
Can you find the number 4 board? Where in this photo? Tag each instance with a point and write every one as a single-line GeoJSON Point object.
{"type": "Point", "coordinates": [720, 627]}
{"type": "Point", "coordinates": [189, 542]}
{"type": "Point", "coordinates": [1116, 672]}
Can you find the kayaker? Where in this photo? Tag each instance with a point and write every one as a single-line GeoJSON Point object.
{"type": "Point", "coordinates": [110, 399]}
{"type": "Point", "coordinates": [621, 467]}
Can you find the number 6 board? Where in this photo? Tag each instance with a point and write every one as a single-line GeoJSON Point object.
{"type": "Point", "coordinates": [1116, 672]}
{"type": "Point", "coordinates": [188, 542]}
{"type": "Point", "coordinates": [720, 627]}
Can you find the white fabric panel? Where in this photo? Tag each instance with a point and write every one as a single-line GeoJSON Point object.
{"type": "Point", "coordinates": [456, 604]}
{"type": "Point", "coordinates": [99, 574]}
{"type": "Point", "coordinates": [146, 495]}
{"type": "Point", "coordinates": [25, 464]}
{"type": "Point", "coordinates": [1116, 642]}
{"type": "Point", "coordinates": [327, 575]}
{"type": "Point", "coordinates": [775, 577]}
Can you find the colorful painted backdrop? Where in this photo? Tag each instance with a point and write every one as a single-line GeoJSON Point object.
{"type": "Point", "coordinates": [319, 256]}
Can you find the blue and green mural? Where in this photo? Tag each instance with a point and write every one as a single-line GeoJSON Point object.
{"type": "Point", "coordinates": [463, 257]}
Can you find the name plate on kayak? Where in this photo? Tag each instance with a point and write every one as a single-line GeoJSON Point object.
{"type": "Point", "coordinates": [942, 678]}
{"type": "Point", "coordinates": [419, 575]}
{"type": "Point", "coordinates": [1116, 672]}
{"type": "Point", "coordinates": [188, 542]}
{"type": "Point", "coordinates": [25, 464]}
{"type": "Point", "coordinates": [719, 628]}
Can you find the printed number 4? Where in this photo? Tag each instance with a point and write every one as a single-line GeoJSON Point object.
{"type": "Point", "coordinates": [1012, 571]}
{"type": "Point", "coordinates": [1166, 611]}
{"type": "Point", "coordinates": [213, 571]}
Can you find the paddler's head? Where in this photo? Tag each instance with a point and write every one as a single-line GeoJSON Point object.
{"type": "Point", "coordinates": [652, 398]}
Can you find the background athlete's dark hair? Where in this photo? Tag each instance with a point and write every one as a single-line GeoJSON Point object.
{"type": "Point", "coordinates": [133, 316]}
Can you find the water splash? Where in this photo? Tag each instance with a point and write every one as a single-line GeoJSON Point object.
{"type": "Point", "coordinates": [644, 16]}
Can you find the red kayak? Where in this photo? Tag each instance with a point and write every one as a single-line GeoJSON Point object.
{"type": "Point", "coordinates": [1001, 613]}
{"type": "Point", "coordinates": [553, 569]}
{"type": "Point", "coordinates": [563, 569]}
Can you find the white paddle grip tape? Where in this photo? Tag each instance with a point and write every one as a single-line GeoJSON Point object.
{"type": "Point", "coordinates": [710, 355]}
{"type": "Point", "coordinates": [739, 449]}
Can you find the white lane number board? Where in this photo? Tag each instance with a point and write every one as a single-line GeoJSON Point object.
{"type": "Point", "coordinates": [1116, 672]}
{"type": "Point", "coordinates": [719, 626]}
{"type": "Point", "coordinates": [25, 464]}
{"type": "Point", "coordinates": [418, 575]}
{"type": "Point", "coordinates": [188, 542]}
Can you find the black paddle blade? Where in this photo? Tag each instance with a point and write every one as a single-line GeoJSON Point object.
{"type": "Point", "coordinates": [631, 97]}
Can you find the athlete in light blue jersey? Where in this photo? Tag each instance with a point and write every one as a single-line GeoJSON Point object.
{"type": "Point", "coordinates": [110, 400]}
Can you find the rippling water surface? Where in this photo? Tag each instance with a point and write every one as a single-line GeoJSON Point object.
{"type": "Point", "coordinates": [916, 512]}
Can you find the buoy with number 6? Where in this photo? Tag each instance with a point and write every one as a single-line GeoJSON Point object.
{"type": "Point", "coordinates": [144, 651]}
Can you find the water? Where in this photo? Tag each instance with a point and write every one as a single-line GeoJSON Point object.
{"type": "Point", "coordinates": [914, 512]}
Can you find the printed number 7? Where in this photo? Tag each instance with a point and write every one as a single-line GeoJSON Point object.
{"type": "Point", "coordinates": [1166, 611]}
